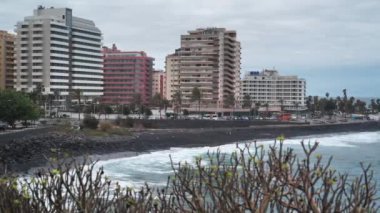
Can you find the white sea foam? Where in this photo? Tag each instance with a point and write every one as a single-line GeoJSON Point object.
{"type": "Point", "coordinates": [154, 167]}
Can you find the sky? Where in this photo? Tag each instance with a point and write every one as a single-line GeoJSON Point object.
{"type": "Point", "coordinates": [333, 44]}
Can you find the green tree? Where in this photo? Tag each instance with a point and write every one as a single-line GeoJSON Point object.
{"type": "Point", "coordinates": [125, 110]}
{"type": "Point", "coordinates": [147, 112]}
{"type": "Point", "coordinates": [229, 100]}
{"type": "Point", "coordinates": [345, 102]}
{"type": "Point", "coordinates": [157, 101]}
{"type": "Point", "coordinates": [350, 105]}
{"type": "Point", "coordinates": [360, 107]}
{"type": "Point", "coordinates": [186, 112]}
{"type": "Point", "coordinates": [136, 103]}
{"type": "Point", "coordinates": [177, 101]}
{"type": "Point", "coordinates": [196, 95]}
{"type": "Point", "coordinates": [341, 104]}
{"type": "Point", "coordinates": [166, 104]}
{"type": "Point", "coordinates": [77, 94]}
{"type": "Point", "coordinates": [247, 103]}
{"type": "Point", "coordinates": [108, 110]}
{"type": "Point", "coordinates": [282, 104]}
{"type": "Point", "coordinates": [16, 106]}
{"type": "Point", "coordinates": [266, 109]}
{"type": "Point", "coordinates": [257, 107]}
{"type": "Point", "coordinates": [329, 107]}
{"type": "Point", "coordinates": [37, 95]}
{"type": "Point", "coordinates": [296, 105]}
{"type": "Point", "coordinates": [316, 103]}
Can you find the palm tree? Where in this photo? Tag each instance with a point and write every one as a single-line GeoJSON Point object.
{"type": "Point", "coordinates": [136, 103]}
{"type": "Point", "coordinates": [165, 104]}
{"type": "Point", "coordinates": [282, 105]}
{"type": "Point", "coordinates": [345, 102]}
{"type": "Point", "coordinates": [247, 101]}
{"type": "Point", "coordinates": [316, 103]}
{"type": "Point", "coordinates": [196, 95]}
{"type": "Point", "coordinates": [330, 106]}
{"type": "Point", "coordinates": [229, 102]}
{"type": "Point", "coordinates": [350, 105]}
{"type": "Point", "coordinates": [177, 100]}
{"type": "Point", "coordinates": [157, 101]}
{"type": "Point", "coordinates": [266, 109]}
{"type": "Point", "coordinates": [77, 94]}
{"type": "Point", "coordinates": [257, 107]}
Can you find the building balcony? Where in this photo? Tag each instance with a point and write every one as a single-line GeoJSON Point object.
{"type": "Point", "coordinates": [87, 47]}
{"type": "Point", "coordinates": [87, 64]}
{"type": "Point", "coordinates": [97, 82]}
{"type": "Point", "coordinates": [59, 68]}
{"type": "Point", "coordinates": [60, 43]}
{"type": "Point", "coordinates": [75, 51]}
{"type": "Point", "coordinates": [87, 76]}
{"type": "Point", "coordinates": [86, 35]}
{"type": "Point", "coordinates": [76, 69]}
{"type": "Point", "coordinates": [60, 36]}
{"type": "Point", "coordinates": [87, 58]}
{"type": "Point", "coordinates": [88, 87]}
{"type": "Point", "coordinates": [86, 41]}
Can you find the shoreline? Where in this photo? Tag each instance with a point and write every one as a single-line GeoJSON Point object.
{"type": "Point", "coordinates": [24, 152]}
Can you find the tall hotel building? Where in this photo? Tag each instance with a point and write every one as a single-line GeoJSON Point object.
{"type": "Point", "coordinates": [6, 60]}
{"type": "Point", "coordinates": [208, 59]}
{"type": "Point", "coordinates": [159, 83]}
{"type": "Point", "coordinates": [60, 52]}
{"type": "Point", "coordinates": [125, 75]}
{"type": "Point", "coordinates": [268, 87]}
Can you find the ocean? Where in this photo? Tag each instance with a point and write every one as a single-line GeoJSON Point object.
{"type": "Point", "coordinates": [347, 149]}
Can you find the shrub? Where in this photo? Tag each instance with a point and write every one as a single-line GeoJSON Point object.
{"type": "Point", "coordinates": [90, 122]}
{"type": "Point", "coordinates": [105, 126]}
{"type": "Point", "coordinates": [248, 180]}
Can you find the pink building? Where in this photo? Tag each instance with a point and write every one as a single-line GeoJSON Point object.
{"type": "Point", "coordinates": [159, 83]}
{"type": "Point", "coordinates": [126, 74]}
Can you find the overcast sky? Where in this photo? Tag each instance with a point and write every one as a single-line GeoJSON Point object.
{"type": "Point", "coordinates": [333, 44]}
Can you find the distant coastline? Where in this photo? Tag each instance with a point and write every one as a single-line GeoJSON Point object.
{"type": "Point", "coordinates": [33, 148]}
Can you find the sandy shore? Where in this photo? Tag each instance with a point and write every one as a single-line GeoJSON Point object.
{"type": "Point", "coordinates": [33, 148]}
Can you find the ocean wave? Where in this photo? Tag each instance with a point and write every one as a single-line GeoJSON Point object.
{"type": "Point", "coordinates": [156, 166]}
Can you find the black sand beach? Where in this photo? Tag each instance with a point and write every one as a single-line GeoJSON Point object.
{"type": "Point", "coordinates": [32, 148]}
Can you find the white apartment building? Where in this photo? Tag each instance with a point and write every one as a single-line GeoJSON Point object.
{"type": "Point", "coordinates": [268, 87]}
{"type": "Point", "coordinates": [60, 52]}
{"type": "Point", "coordinates": [208, 59]}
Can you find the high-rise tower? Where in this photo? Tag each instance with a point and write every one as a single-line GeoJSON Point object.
{"type": "Point", "coordinates": [208, 59]}
{"type": "Point", "coordinates": [59, 52]}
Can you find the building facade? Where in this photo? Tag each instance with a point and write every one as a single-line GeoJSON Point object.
{"type": "Point", "coordinates": [6, 60]}
{"type": "Point", "coordinates": [59, 52]}
{"type": "Point", "coordinates": [159, 83]}
{"type": "Point", "coordinates": [126, 74]}
{"type": "Point", "coordinates": [210, 60]}
{"type": "Point", "coordinates": [268, 87]}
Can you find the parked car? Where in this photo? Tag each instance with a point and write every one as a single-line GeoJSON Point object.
{"type": "Point", "coordinates": [3, 125]}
